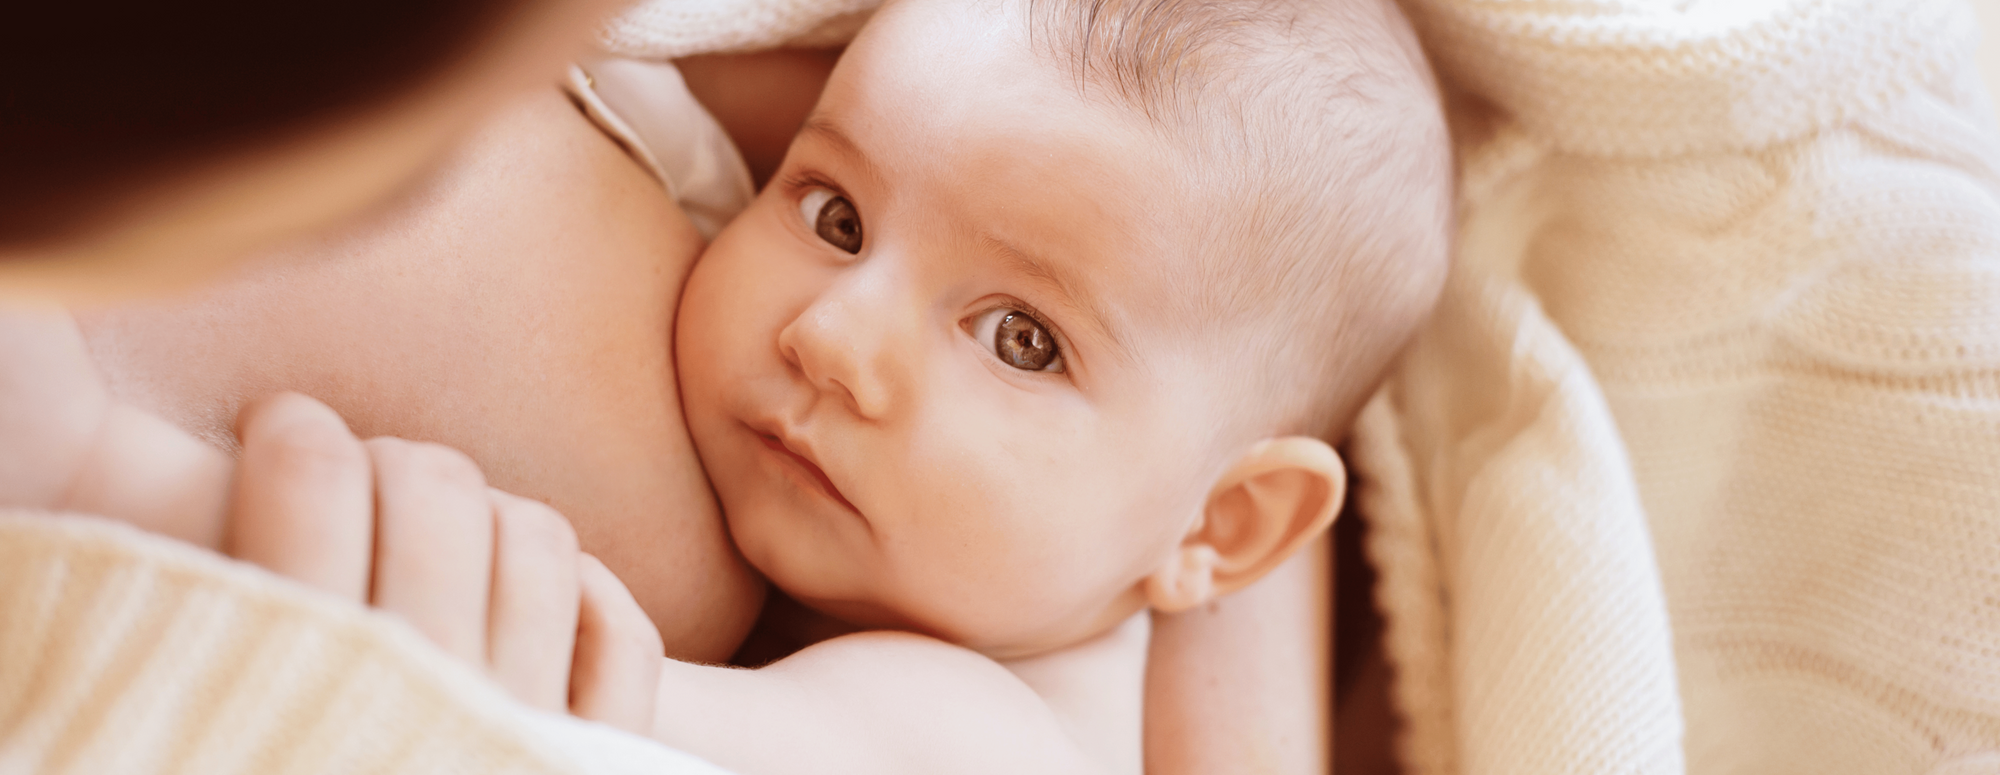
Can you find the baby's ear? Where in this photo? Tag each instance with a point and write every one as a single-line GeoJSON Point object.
{"type": "Point", "coordinates": [1270, 502]}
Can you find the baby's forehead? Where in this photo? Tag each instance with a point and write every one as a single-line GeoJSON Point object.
{"type": "Point", "coordinates": [999, 142]}
{"type": "Point", "coordinates": [1193, 216]}
{"type": "Point", "coordinates": [1280, 167]}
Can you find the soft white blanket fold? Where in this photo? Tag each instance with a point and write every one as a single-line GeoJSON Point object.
{"type": "Point", "coordinates": [666, 29]}
{"type": "Point", "coordinates": [1722, 350]}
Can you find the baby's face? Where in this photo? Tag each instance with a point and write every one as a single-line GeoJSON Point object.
{"type": "Point", "coordinates": [937, 372]}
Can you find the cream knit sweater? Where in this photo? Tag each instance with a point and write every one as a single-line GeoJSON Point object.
{"type": "Point", "coordinates": [122, 652]}
{"type": "Point", "coordinates": [1698, 467]}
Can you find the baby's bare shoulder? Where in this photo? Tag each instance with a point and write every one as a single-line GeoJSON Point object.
{"type": "Point", "coordinates": [904, 660]}
{"type": "Point", "coordinates": [868, 702]}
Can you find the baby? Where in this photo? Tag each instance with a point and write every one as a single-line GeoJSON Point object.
{"type": "Point", "coordinates": [1049, 309]}
{"type": "Point", "coordinates": [1044, 320]}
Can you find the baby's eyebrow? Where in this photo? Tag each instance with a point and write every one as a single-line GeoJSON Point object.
{"type": "Point", "coordinates": [1060, 277]}
{"type": "Point", "coordinates": [825, 130]}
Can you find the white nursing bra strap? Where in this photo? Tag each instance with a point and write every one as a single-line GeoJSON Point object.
{"type": "Point", "coordinates": [646, 107]}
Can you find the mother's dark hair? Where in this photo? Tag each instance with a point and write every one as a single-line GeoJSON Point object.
{"type": "Point", "coordinates": [97, 95]}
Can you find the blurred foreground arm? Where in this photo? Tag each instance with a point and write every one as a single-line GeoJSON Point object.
{"type": "Point", "coordinates": [66, 446]}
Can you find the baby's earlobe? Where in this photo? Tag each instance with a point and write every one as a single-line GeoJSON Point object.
{"type": "Point", "coordinates": [1186, 581]}
{"type": "Point", "coordinates": [1279, 495]}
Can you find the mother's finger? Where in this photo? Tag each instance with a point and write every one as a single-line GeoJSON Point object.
{"type": "Point", "coordinates": [302, 503]}
{"type": "Point", "coordinates": [618, 653]}
{"type": "Point", "coordinates": [531, 625]}
{"type": "Point", "coordinates": [433, 542]}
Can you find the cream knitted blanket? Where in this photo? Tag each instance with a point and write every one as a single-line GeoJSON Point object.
{"type": "Point", "coordinates": [1698, 467]}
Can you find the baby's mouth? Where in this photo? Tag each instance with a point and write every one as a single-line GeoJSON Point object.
{"type": "Point", "coordinates": [819, 476]}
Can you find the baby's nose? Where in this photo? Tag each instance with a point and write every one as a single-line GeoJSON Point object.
{"type": "Point", "coordinates": [848, 342]}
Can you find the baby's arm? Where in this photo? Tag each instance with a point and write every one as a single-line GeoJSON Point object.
{"type": "Point", "coordinates": [896, 702]}
{"type": "Point", "coordinates": [1244, 687]}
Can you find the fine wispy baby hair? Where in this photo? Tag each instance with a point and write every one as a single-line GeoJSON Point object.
{"type": "Point", "coordinates": [1323, 123]}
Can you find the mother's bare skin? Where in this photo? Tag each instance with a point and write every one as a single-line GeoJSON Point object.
{"type": "Point", "coordinates": [517, 306]}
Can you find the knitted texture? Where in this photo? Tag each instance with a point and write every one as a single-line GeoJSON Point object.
{"type": "Point", "coordinates": [1759, 256]}
{"type": "Point", "coordinates": [124, 652]}
{"type": "Point", "coordinates": [665, 29]}
{"type": "Point", "coordinates": [1550, 624]}
{"type": "Point", "coordinates": [1409, 586]}
{"type": "Point", "coordinates": [1655, 78]}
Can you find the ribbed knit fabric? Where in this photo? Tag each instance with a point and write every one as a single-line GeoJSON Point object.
{"type": "Point", "coordinates": [1658, 78]}
{"type": "Point", "coordinates": [1525, 617]}
{"type": "Point", "coordinates": [122, 652]}
{"type": "Point", "coordinates": [1739, 261]}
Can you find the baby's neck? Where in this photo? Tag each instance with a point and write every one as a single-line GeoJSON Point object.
{"type": "Point", "coordinates": [1098, 689]}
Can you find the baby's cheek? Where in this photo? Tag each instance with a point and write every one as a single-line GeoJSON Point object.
{"type": "Point", "coordinates": [715, 333]}
{"type": "Point", "coordinates": [1020, 497]}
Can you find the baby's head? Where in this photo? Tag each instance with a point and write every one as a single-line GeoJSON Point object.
{"type": "Point", "coordinates": [1052, 305]}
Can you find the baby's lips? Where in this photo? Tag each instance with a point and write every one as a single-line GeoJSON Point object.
{"type": "Point", "coordinates": [826, 485]}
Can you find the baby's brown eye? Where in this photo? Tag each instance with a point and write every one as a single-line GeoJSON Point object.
{"type": "Point", "coordinates": [1023, 343]}
{"type": "Point", "coordinates": [833, 218]}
